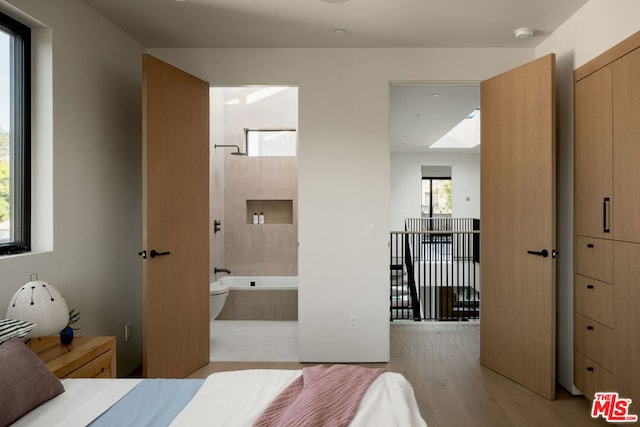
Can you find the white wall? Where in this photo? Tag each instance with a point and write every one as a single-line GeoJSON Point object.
{"type": "Point", "coordinates": [596, 27]}
{"type": "Point", "coordinates": [87, 172]}
{"type": "Point", "coordinates": [344, 165]}
{"type": "Point", "coordinates": [406, 182]}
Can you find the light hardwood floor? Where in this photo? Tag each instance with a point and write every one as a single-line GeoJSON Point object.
{"type": "Point", "coordinates": [442, 362]}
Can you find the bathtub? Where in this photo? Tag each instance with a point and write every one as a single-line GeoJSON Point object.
{"type": "Point", "coordinates": [260, 282]}
{"type": "Point", "coordinates": [260, 298]}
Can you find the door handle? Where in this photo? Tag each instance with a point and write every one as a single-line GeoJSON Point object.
{"type": "Point", "coordinates": [543, 253]}
{"type": "Point", "coordinates": [155, 253]}
{"type": "Point", "coordinates": [605, 215]}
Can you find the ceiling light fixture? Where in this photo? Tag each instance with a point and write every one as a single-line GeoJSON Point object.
{"type": "Point", "coordinates": [335, 1]}
{"type": "Point", "coordinates": [339, 32]}
{"type": "Point", "coordinates": [523, 33]}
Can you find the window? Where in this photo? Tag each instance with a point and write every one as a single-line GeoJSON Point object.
{"type": "Point", "coordinates": [15, 141]}
{"type": "Point", "coordinates": [436, 197]}
{"type": "Point", "coordinates": [264, 143]}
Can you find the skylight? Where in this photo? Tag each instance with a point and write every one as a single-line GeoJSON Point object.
{"type": "Point", "coordinates": [465, 134]}
{"type": "Point", "coordinates": [258, 95]}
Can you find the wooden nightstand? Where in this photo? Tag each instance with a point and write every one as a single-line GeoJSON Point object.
{"type": "Point", "coordinates": [85, 357]}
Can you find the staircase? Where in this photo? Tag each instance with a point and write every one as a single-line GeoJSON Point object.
{"type": "Point", "coordinates": [401, 304]}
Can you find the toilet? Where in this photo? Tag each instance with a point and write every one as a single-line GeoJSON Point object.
{"type": "Point", "coordinates": [217, 297]}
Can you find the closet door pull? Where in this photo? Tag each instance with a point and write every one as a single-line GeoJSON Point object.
{"type": "Point", "coordinates": [590, 245]}
{"type": "Point", "coordinates": [589, 328]}
{"type": "Point", "coordinates": [589, 286]}
{"type": "Point", "coordinates": [605, 215]}
{"type": "Point", "coordinates": [590, 369]}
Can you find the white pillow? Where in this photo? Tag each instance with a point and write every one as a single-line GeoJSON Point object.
{"type": "Point", "coordinates": [10, 328]}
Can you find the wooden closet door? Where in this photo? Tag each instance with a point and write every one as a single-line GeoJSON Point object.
{"type": "Point", "coordinates": [593, 155]}
{"type": "Point", "coordinates": [626, 148]}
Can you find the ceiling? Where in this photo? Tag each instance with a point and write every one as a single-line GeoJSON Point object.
{"type": "Point", "coordinates": [417, 119]}
{"type": "Point", "coordinates": [420, 114]}
{"type": "Point", "coordinates": [310, 23]}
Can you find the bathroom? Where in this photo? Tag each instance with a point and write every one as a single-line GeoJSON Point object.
{"type": "Point", "coordinates": [254, 221]}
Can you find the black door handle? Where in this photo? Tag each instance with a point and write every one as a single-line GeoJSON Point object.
{"type": "Point", "coordinates": [155, 253]}
{"type": "Point", "coordinates": [605, 218]}
{"type": "Point", "coordinates": [543, 253]}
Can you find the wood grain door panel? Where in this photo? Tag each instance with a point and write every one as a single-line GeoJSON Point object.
{"type": "Point", "coordinates": [626, 147]}
{"type": "Point", "coordinates": [175, 220]}
{"type": "Point", "coordinates": [517, 326]}
{"type": "Point", "coordinates": [593, 155]}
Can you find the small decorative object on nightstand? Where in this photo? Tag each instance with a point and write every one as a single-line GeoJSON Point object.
{"type": "Point", "coordinates": [66, 335]}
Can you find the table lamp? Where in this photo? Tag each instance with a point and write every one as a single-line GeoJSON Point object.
{"type": "Point", "coordinates": [40, 303]}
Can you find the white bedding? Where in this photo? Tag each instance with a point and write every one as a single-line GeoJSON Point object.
{"type": "Point", "coordinates": [234, 398]}
{"type": "Point", "coordinates": [238, 398]}
{"type": "Point", "coordinates": [82, 401]}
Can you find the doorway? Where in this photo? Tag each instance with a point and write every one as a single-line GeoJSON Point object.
{"type": "Point", "coordinates": [435, 193]}
{"type": "Point", "coordinates": [253, 211]}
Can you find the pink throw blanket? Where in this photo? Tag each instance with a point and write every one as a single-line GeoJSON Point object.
{"type": "Point", "coordinates": [321, 396]}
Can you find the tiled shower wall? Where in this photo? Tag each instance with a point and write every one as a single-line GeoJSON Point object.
{"type": "Point", "coordinates": [241, 185]}
{"type": "Point", "coordinates": [269, 249]}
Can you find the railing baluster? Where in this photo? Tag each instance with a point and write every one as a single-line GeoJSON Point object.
{"type": "Point", "coordinates": [434, 269]}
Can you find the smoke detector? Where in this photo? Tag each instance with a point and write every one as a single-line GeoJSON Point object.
{"type": "Point", "coordinates": [523, 33]}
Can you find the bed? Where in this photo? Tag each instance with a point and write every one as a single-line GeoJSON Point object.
{"type": "Point", "coordinates": [234, 398]}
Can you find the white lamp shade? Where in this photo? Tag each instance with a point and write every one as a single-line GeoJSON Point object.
{"type": "Point", "coordinates": [40, 303]}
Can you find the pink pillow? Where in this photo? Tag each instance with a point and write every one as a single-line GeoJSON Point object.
{"type": "Point", "coordinates": [25, 382]}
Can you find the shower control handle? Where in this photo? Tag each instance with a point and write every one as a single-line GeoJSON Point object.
{"type": "Point", "coordinates": [155, 253]}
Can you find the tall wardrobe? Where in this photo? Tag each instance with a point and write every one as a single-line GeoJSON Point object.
{"type": "Point", "coordinates": [607, 222]}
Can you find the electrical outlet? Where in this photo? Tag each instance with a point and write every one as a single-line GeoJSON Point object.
{"type": "Point", "coordinates": [354, 321]}
{"type": "Point", "coordinates": [370, 231]}
{"type": "Point", "coordinates": [128, 328]}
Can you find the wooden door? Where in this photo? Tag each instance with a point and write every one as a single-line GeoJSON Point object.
{"type": "Point", "coordinates": [175, 220]}
{"type": "Point", "coordinates": [517, 320]}
{"type": "Point", "coordinates": [626, 147]}
{"type": "Point", "coordinates": [593, 163]}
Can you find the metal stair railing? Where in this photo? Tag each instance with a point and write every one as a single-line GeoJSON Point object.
{"type": "Point", "coordinates": [434, 274]}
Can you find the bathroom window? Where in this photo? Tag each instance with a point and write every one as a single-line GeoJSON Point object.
{"type": "Point", "coordinates": [15, 126]}
{"type": "Point", "coordinates": [271, 142]}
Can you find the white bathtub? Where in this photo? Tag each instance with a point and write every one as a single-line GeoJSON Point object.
{"type": "Point", "coordinates": [277, 298]}
{"type": "Point", "coordinates": [260, 282]}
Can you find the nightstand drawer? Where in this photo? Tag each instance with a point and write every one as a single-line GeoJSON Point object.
{"type": "Point", "coordinates": [589, 377]}
{"type": "Point", "coordinates": [594, 299]}
{"type": "Point", "coordinates": [594, 258]}
{"type": "Point", "coordinates": [594, 340]}
{"type": "Point", "coordinates": [100, 367]}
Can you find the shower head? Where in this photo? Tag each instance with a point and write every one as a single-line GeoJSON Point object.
{"type": "Point", "coordinates": [235, 153]}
